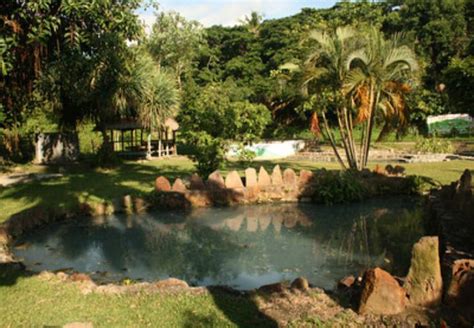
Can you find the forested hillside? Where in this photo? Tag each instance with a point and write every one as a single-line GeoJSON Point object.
{"type": "Point", "coordinates": [72, 65]}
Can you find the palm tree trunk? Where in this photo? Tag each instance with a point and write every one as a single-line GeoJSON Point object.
{"type": "Point", "coordinates": [371, 126]}
{"type": "Point", "coordinates": [348, 123]}
{"type": "Point", "coordinates": [367, 134]}
{"type": "Point", "coordinates": [332, 142]}
{"type": "Point", "coordinates": [385, 131]}
{"type": "Point", "coordinates": [345, 141]}
{"type": "Point", "coordinates": [351, 129]}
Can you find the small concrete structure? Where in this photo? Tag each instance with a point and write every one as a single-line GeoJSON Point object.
{"type": "Point", "coordinates": [56, 148]}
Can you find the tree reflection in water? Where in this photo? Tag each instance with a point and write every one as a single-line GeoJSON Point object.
{"type": "Point", "coordinates": [243, 247]}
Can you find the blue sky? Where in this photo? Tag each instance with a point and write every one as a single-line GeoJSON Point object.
{"type": "Point", "coordinates": [229, 12]}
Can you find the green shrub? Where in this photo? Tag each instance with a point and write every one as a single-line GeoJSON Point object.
{"type": "Point", "coordinates": [106, 157]}
{"type": "Point", "coordinates": [433, 145]}
{"type": "Point", "coordinates": [417, 184]}
{"type": "Point", "coordinates": [246, 156]}
{"type": "Point", "coordinates": [90, 141]}
{"type": "Point", "coordinates": [338, 187]}
{"type": "Point", "coordinates": [208, 153]}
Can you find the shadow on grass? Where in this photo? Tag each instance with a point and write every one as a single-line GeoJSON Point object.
{"type": "Point", "coordinates": [240, 309]}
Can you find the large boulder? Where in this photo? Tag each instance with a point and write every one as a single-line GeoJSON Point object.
{"type": "Point", "coordinates": [233, 180]}
{"type": "Point", "coordinates": [381, 294]}
{"type": "Point", "coordinates": [424, 284]}
{"type": "Point", "coordinates": [162, 184]}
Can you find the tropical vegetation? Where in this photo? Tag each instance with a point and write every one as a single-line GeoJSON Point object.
{"type": "Point", "coordinates": [356, 68]}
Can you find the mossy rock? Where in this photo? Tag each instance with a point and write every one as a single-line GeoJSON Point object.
{"type": "Point", "coordinates": [424, 283]}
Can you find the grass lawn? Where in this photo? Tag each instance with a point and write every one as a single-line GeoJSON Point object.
{"type": "Point", "coordinates": [36, 302]}
{"type": "Point", "coordinates": [80, 184]}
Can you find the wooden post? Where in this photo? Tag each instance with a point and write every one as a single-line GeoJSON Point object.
{"type": "Point", "coordinates": [167, 142]}
{"type": "Point", "coordinates": [112, 139]}
{"type": "Point", "coordinates": [159, 147]}
{"type": "Point", "coordinates": [175, 146]}
{"type": "Point", "coordinates": [148, 147]}
{"type": "Point", "coordinates": [123, 141]}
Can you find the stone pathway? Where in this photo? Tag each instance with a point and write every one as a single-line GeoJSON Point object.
{"type": "Point", "coordinates": [13, 179]}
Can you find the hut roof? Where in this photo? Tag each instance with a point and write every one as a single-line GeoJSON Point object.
{"type": "Point", "coordinates": [127, 124]}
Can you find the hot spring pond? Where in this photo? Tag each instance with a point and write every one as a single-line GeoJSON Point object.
{"type": "Point", "coordinates": [242, 247]}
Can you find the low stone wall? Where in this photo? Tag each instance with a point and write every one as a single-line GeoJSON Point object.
{"type": "Point", "coordinates": [264, 187]}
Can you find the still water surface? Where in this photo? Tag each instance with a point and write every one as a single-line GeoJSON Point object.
{"type": "Point", "coordinates": [242, 247]}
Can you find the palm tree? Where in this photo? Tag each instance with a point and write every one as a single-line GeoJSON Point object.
{"type": "Point", "coordinates": [327, 66]}
{"type": "Point", "coordinates": [252, 22]}
{"type": "Point", "coordinates": [378, 77]}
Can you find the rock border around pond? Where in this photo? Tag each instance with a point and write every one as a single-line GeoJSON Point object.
{"type": "Point", "coordinates": [265, 187]}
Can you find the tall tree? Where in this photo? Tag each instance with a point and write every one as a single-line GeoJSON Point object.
{"type": "Point", "coordinates": [378, 79]}
{"type": "Point", "coordinates": [355, 77]}
{"type": "Point", "coordinates": [175, 42]}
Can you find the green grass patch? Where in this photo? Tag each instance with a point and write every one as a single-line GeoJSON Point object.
{"type": "Point", "coordinates": [82, 184]}
{"type": "Point", "coordinates": [35, 302]}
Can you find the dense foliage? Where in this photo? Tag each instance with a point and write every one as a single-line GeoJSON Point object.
{"type": "Point", "coordinates": [63, 63]}
{"type": "Point", "coordinates": [216, 115]}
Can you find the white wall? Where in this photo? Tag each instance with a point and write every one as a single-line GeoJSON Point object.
{"type": "Point", "coordinates": [271, 149]}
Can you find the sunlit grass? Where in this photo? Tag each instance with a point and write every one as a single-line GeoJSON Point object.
{"type": "Point", "coordinates": [82, 184]}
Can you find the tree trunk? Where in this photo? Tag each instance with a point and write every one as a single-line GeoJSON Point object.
{"type": "Point", "coordinates": [332, 142]}
{"type": "Point", "coordinates": [384, 133]}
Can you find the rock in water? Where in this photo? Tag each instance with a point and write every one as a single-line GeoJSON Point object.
{"type": "Point", "coordinates": [381, 294]}
{"type": "Point", "coordinates": [346, 282]}
{"type": "Point", "coordinates": [300, 283]}
{"type": "Point", "coordinates": [424, 284]}
{"type": "Point", "coordinates": [233, 181]}
{"type": "Point", "coordinates": [162, 184]}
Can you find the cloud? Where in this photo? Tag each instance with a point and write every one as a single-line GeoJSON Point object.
{"type": "Point", "coordinates": [230, 12]}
